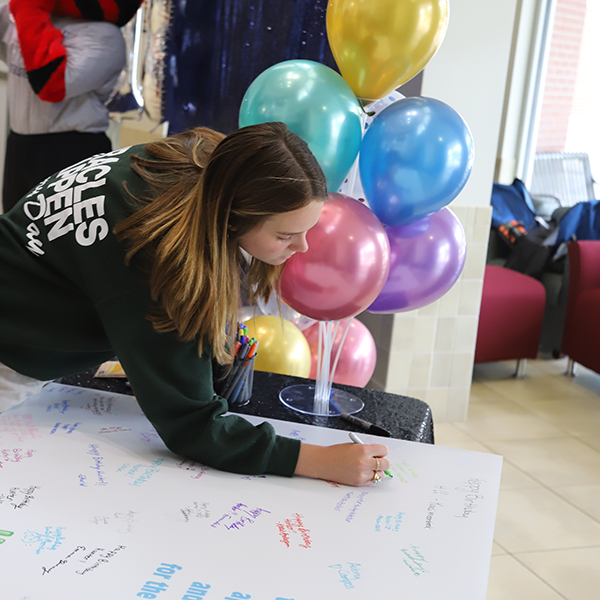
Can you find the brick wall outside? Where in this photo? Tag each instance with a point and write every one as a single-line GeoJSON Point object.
{"type": "Point", "coordinates": [561, 75]}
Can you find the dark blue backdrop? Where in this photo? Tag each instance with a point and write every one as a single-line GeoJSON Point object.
{"type": "Point", "coordinates": [216, 48]}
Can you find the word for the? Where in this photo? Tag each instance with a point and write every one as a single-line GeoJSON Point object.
{"type": "Point", "coordinates": [239, 516]}
{"type": "Point", "coordinates": [347, 574]}
{"type": "Point", "coordinates": [294, 525]}
{"type": "Point", "coordinates": [151, 589]}
{"type": "Point", "coordinates": [472, 487]}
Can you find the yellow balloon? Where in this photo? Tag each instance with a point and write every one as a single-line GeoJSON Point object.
{"type": "Point", "coordinates": [282, 346]}
{"type": "Point", "coordinates": [380, 44]}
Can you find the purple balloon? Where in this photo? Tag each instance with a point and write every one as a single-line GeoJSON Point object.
{"type": "Point", "coordinates": [427, 257]}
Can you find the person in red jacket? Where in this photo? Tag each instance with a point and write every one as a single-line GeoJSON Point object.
{"type": "Point", "coordinates": [63, 64]}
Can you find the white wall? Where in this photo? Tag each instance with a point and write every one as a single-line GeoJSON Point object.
{"type": "Point", "coordinates": [469, 73]}
{"type": "Point", "coordinates": [428, 353]}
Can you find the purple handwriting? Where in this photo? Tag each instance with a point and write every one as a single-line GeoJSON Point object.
{"type": "Point", "coordinates": [239, 516]}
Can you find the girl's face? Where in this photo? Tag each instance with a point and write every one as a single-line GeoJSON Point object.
{"type": "Point", "coordinates": [279, 237]}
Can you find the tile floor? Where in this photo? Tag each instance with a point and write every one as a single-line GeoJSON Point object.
{"type": "Point", "coordinates": [547, 427]}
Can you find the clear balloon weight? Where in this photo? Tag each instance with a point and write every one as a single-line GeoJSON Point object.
{"type": "Point", "coordinates": [427, 258]}
{"type": "Point", "coordinates": [415, 158]}
{"type": "Point", "coordinates": [317, 105]}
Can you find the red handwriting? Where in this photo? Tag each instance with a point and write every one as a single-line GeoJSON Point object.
{"type": "Point", "coordinates": [294, 525]}
{"type": "Point", "coordinates": [15, 455]}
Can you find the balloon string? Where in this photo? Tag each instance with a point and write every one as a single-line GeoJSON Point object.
{"type": "Point", "coordinates": [321, 325]}
{"type": "Point", "coordinates": [337, 356]}
{"type": "Point", "coordinates": [319, 381]}
{"type": "Point", "coordinates": [321, 400]}
{"type": "Point", "coordinates": [324, 400]}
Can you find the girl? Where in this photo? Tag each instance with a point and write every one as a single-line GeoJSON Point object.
{"type": "Point", "coordinates": [137, 253]}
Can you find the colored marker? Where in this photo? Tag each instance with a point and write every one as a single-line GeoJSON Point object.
{"type": "Point", "coordinates": [357, 440]}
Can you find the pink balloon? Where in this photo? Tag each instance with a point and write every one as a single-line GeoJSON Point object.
{"type": "Point", "coordinates": [358, 356]}
{"type": "Point", "coordinates": [345, 266]}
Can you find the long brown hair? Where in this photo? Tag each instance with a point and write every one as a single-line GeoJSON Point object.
{"type": "Point", "coordinates": [208, 191]}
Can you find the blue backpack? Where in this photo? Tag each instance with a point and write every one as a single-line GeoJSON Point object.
{"type": "Point", "coordinates": [581, 222]}
{"type": "Point", "coordinates": [513, 203]}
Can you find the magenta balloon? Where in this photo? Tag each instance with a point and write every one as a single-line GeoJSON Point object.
{"type": "Point", "coordinates": [427, 257]}
{"type": "Point", "coordinates": [358, 356]}
{"type": "Point", "coordinates": [345, 266]}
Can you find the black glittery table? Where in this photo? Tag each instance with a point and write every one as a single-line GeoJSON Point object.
{"type": "Point", "coordinates": [405, 418]}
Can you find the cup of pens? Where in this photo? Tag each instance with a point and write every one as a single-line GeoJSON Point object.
{"type": "Point", "coordinates": [236, 387]}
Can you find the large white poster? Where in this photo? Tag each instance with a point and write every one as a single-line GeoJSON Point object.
{"type": "Point", "coordinates": [93, 506]}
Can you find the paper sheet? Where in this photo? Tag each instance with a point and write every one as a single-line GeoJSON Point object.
{"type": "Point", "coordinates": [93, 506]}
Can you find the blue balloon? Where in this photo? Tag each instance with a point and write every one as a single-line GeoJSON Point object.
{"type": "Point", "coordinates": [317, 105]}
{"type": "Point", "coordinates": [415, 158]}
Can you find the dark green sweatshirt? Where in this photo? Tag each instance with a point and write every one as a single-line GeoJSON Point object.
{"type": "Point", "coordinates": [68, 303]}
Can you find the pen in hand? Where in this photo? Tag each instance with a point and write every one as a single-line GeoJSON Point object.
{"type": "Point", "coordinates": [357, 440]}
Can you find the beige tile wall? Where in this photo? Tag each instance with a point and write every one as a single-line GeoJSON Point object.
{"type": "Point", "coordinates": [428, 353]}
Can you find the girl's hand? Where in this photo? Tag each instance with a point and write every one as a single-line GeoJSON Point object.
{"type": "Point", "coordinates": [350, 464]}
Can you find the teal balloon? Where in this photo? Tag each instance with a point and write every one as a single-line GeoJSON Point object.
{"type": "Point", "coordinates": [317, 105]}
